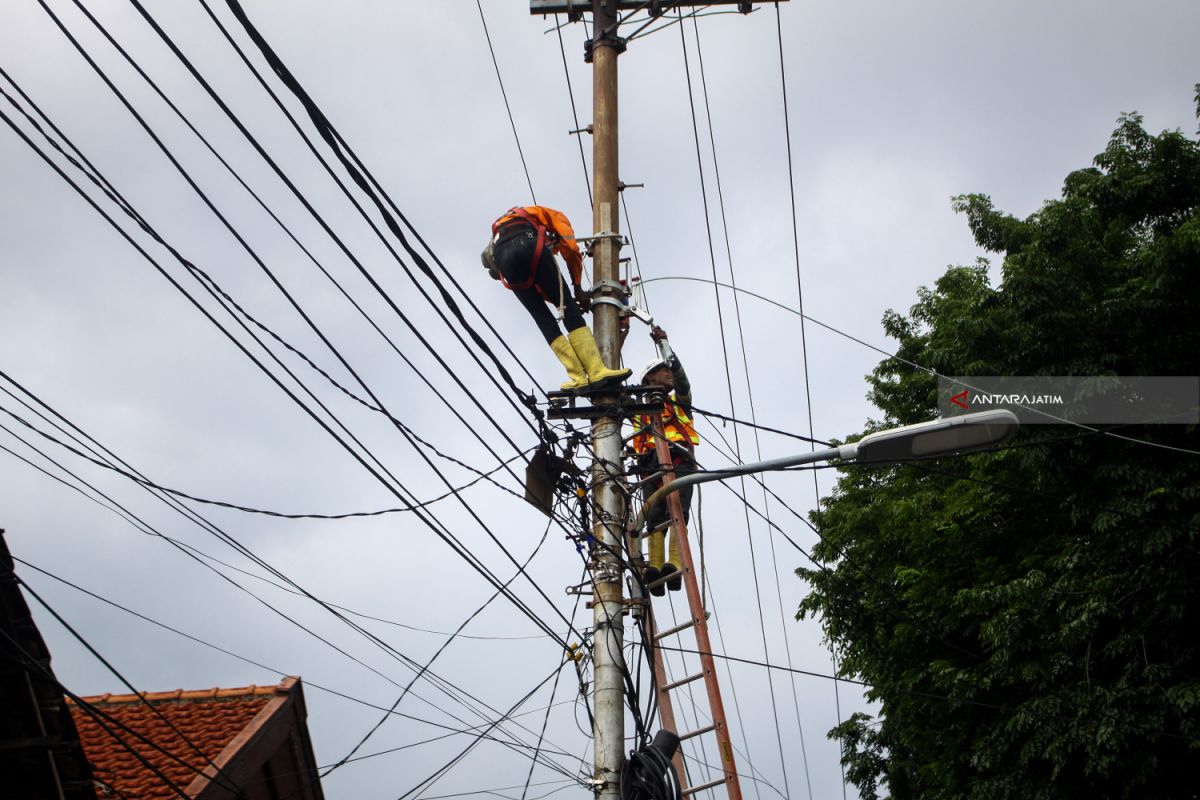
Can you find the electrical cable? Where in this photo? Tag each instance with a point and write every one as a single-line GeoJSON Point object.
{"type": "Point", "coordinates": [229, 227]}
{"type": "Point", "coordinates": [504, 94]}
{"type": "Point", "coordinates": [913, 364]}
{"type": "Point", "coordinates": [28, 662]}
{"type": "Point", "coordinates": [442, 533]}
{"type": "Point", "coordinates": [757, 443]}
{"type": "Point", "coordinates": [914, 692]}
{"type": "Point", "coordinates": [574, 114]}
{"type": "Point", "coordinates": [361, 177]}
{"type": "Point", "coordinates": [433, 778]}
{"type": "Point", "coordinates": [434, 657]}
{"type": "Point", "coordinates": [316, 263]}
{"type": "Point", "coordinates": [220, 776]}
{"type": "Point", "coordinates": [438, 683]}
{"type": "Point", "coordinates": [451, 731]}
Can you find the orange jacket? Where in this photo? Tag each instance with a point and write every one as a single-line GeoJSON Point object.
{"type": "Point", "coordinates": [557, 223]}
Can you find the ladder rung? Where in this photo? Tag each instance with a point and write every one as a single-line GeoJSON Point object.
{"type": "Point", "coordinates": [703, 786]}
{"type": "Point", "coordinates": [675, 630]}
{"type": "Point", "coordinates": [679, 683]}
{"type": "Point", "coordinates": [697, 732]}
{"type": "Point", "coordinates": [663, 580]}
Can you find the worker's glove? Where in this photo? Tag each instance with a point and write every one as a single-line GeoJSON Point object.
{"type": "Point", "coordinates": [583, 299]}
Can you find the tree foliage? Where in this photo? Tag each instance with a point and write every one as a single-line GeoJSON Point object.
{"type": "Point", "coordinates": [1028, 619]}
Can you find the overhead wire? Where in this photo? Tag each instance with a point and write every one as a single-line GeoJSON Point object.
{"type": "Point", "coordinates": [441, 771]}
{"type": "Point", "coordinates": [725, 349]}
{"type": "Point", "coordinates": [220, 775]}
{"type": "Point", "coordinates": [443, 533]}
{"type": "Point", "coordinates": [784, 631]}
{"type": "Point", "coordinates": [429, 662]}
{"type": "Point", "coordinates": [363, 178]}
{"type": "Point", "coordinates": [900, 359]}
{"type": "Point", "coordinates": [507, 107]}
{"type": "Point", "coordinates": [578, 132]}
{"type": "Point", "coordinates": [914, 692]}
{"type": "Point", "coordinates": [309, 683]}
{"type": "Point", "coordinates": [438, 682]}
{"type": "Point", "coordinates": [803, 351]}
{"type": "Point", "coordinates": [362, 312]}
{"type": "Point", "coordinates": [137, 524]}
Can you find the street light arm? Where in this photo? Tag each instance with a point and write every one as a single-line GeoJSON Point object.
{"type": "Point", "coordinates": [958, 435]}
{"type": "Point", "coordinates": [846, 451]}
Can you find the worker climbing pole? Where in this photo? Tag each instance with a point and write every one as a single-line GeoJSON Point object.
{"type": "Point", "coordinates": [520, 254]}
{"type": "Point", "coordinates": [674, 420]}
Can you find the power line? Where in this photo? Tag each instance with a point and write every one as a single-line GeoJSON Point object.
{"type": "Point", "coordinates": [437, 681]}
{"type": "Point", "coordinates": [361, 177]}
{"type": "Point", "coordinates": [440, 531]}
{"type": "Point", "coordinates": [437, 774]}
{"type": "Point", "coordinates": [757, 446]}
{"type": "Point", "coordinates": [223, 776]}
{"type": "Point", "coordinates": [434, 657]}
{"type": "Point", "coordinates": [578, 132]}
{"type": "Point", "coordinates": [507, 107]}
{"type": "Point", "coordinates": [914, 692]}
{"type": "Point", "coordinates": [275, 670]}
{"type": "Point", "coordinates": [906, 362]}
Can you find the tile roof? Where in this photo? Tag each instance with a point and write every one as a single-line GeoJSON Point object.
{"type": "Point", "coordinates": [210, 719]}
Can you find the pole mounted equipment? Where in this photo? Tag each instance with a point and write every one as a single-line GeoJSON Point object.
{"type": "Point", "coordinates": [609, 489]}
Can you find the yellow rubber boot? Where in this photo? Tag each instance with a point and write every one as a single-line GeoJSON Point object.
{"type": "Point", "coordinates": [671, 567]}
{"type": "Point", "coordinates": [654, 569]}
{"type": "Point", "coordinates": [657, 542]}
{"type": "Point", "coordinates": [566, 356]}
{"type": "Point", "coordinates": [585, 347]}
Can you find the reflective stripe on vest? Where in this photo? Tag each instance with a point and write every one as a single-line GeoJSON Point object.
{"type": "Point", "coordinates": [517, 211]}
{"type": "Point", "coordinates": [677, 427]}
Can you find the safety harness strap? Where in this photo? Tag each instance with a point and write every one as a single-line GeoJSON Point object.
{"type": "Point", "coordinates": [517, 211]}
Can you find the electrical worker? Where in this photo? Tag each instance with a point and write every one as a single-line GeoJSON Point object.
{"type": "Point", "coordinates": [520, 255]}
{"type": "Point", "coordinates": [665, 371]}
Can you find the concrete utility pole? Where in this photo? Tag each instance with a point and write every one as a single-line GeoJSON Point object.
{"type": "Point", "coordinates": [608, 600]}
{"type": "Point", "coordinates": [608, 494]}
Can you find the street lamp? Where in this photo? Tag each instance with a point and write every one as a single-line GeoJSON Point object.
{"type": "Point", "coordinates": [940, 437]}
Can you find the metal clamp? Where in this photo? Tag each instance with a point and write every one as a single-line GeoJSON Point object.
{"type": "Point", "coordinates": [608, 301]}
{"type": "Point", "coordinates": [599, 236]}
{"type": "Point", "coordinates": [605, 284]}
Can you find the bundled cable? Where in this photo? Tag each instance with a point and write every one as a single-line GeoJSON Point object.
{"type": "Point", "coordinates": [649, 773]}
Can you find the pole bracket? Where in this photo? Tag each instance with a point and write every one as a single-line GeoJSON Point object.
{"type": "Point", "coordinates": [617, 43]}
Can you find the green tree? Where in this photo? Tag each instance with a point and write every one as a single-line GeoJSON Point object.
{"type": "Point", "coordinates": [1029, 619]}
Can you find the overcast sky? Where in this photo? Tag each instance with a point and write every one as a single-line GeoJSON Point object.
{"type": "Point", "coordinates": [894, 109]}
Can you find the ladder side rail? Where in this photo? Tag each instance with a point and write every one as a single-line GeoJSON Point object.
{"type": "Point", "coordinates": [666, 711]}
{"type": "Point", "coordinates": [700, 623]}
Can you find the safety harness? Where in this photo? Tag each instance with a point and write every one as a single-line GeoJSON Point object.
{"type": "Point", "coordinates": [542, 235]}
{"type": "Point", "coordinates": [516, 211]}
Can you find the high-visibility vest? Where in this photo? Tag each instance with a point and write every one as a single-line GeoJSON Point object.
{"type": "Point", "coordinates": [677, 427]}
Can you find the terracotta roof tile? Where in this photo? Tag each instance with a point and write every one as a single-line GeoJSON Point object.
{"type": "Point", "coordinates": [208, 718]}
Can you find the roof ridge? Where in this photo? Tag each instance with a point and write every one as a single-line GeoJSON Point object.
{"type": "Point", "coordinates": [188, 695]}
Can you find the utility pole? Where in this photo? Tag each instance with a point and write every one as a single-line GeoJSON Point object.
{"type": "Point", "coordinates": [609, 489]}
{"type": "Point", "coordinates": [608, 608]}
